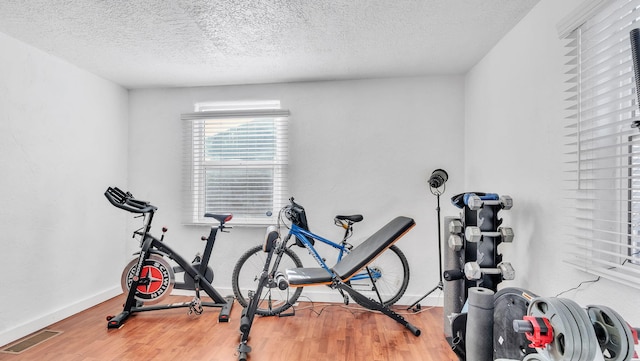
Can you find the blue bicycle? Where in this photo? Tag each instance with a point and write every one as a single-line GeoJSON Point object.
{"type": "Point", "coordinates": [385, 279]}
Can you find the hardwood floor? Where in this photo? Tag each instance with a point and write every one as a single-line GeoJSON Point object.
{"type": "Point", "coordinates": [317, 332]}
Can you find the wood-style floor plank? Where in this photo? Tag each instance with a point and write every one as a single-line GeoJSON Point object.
{"type": "Point", "coordinates": [317, 332]}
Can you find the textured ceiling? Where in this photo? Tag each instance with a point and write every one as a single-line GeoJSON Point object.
{"type": "Point", "coordinates": [158, 43]}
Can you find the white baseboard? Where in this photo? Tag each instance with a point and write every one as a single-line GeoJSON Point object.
{"type": "Point", "coordinates": [29, 327]}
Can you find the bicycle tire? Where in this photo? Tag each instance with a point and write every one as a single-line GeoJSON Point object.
{"type": "Point", "coordinates": [246, 275]}
{"type": "Point", "coordinates": [392, 284]}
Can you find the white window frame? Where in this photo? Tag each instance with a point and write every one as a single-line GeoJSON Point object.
{"type": "Point", "coordinates": [209, 116]}
{"type": "Point", "coordinates": [602, 147]}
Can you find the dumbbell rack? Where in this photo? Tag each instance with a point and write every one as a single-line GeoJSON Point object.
{"type": "Point", "coordinates": [525, 327]}
{"type": "Point", "coordinates": [478, 210]}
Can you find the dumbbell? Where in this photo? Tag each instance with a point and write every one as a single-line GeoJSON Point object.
{"type": "Point", "coordinates": [455, 240]}
{"type": "Point", "coordinates": [473, 271]}
{"type": "Point", "coordinates": [473, 234]}
{"type": "Point", "coordinates": [455, 226]}
{"type": "Point", "coordinates": [474, 202]}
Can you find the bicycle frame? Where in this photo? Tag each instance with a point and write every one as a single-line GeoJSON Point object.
{"type": "Point", "coordinates": [303, 235]}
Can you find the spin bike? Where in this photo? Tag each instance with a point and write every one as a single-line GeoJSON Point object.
{"type": "Point", "coordinates": [149, 278]}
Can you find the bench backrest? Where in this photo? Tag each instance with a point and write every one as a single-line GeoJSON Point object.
{"type": "Point", "coordinates": [372, 247]}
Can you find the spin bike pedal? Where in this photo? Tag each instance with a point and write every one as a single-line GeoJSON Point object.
{"type": "Point", "coordinates": [195, 307]}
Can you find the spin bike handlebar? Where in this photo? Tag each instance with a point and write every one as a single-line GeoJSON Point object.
{"type": "Point", "coordinates": [125, 200]}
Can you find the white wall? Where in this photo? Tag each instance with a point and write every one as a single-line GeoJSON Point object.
{"type": "Point", "coordinates": [514, 132]}
{"type": "Point", "coordinates": [356, 146]}
{"type": "Point", "coordinates": [63, 139]}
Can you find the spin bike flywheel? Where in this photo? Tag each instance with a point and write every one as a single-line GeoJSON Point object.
{"type": "Point", "coordinates": [156, 279]}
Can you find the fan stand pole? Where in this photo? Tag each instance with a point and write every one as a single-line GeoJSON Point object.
{"type": "Point", "coordinates": [440, 286]}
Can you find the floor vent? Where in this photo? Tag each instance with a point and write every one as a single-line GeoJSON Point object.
{"type": "Point", "coordinates": [30, 341]}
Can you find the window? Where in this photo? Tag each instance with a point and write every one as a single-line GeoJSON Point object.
{"type": "Point", "coordinates": [603, 148]}
{"type": "Point", "coordinates": [236, 161]}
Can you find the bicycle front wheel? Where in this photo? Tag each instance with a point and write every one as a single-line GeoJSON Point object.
{"type": "Point", "coordinates": [246, 275]}
{"type": "Point", "coordinates": [390, 273]}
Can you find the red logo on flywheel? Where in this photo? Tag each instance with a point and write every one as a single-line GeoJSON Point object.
{"type": "Point", "coordinates": [154, 280]}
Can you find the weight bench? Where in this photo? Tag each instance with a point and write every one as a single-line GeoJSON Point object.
{"type": "Point", "coordinates": [358, 258]}
{"type": "Point", "coordinates": [349, 266]}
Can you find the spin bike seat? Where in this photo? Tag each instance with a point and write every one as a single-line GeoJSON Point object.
{"type": "Point", "coordinates": [353, 218]}
{"type": "Point", "coordinates": [222, 218]}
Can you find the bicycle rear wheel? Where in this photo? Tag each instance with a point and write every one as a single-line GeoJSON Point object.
{"type": "Point", "coordinates": [246, 275]}
{"type": "Point", "coordinates": [391, 278]}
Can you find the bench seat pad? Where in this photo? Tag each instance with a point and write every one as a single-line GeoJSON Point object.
{"type": "Point", "coordinates": [307, 276]}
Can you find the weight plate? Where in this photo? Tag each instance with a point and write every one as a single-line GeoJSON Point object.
{"type": "Point", "coordinates": [614, 337]}
{"type": "Point", "coordinates": [156, 279]}
{"type": "Point", "coordinates": [563, 345]}
{"type": "Point", "coordinates": [510, 303]}
{"type": "Point", "coordinates": [629, 332]}
{"type": "Point", "coordinates": [589, 340]}
{"type": "Point", "coordinates": [459, 334]}
{"type": "Point", "coordinates": [573, 326]}
{"type": "Point", "coordinates": [581, 354]}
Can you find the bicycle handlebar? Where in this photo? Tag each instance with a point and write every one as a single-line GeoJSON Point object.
{"type": "Point", "coordinates": [126, 201]}
{"type": "Point", "coordinates": [296, 214]}
{"type": "Point", "coordinates": [291, 207]}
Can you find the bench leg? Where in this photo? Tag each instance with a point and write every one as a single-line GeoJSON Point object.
{"type": "Point", "coordinates": [249, 312]}
{"type": "Point", "coordinates": [246, 319]}
{"type": "Point", "coordinates": [374, 305]}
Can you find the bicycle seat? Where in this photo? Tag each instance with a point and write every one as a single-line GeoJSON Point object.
{"type": "Point", "coordinates": [222, 218]}
{"type": "Point", "coordinates": [353, 218]}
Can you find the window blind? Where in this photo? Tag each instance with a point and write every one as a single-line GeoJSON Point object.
{"type": "Point", "coordinates": [602, 147]}
{"type": "Point", "coordinates": [235, 162]}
